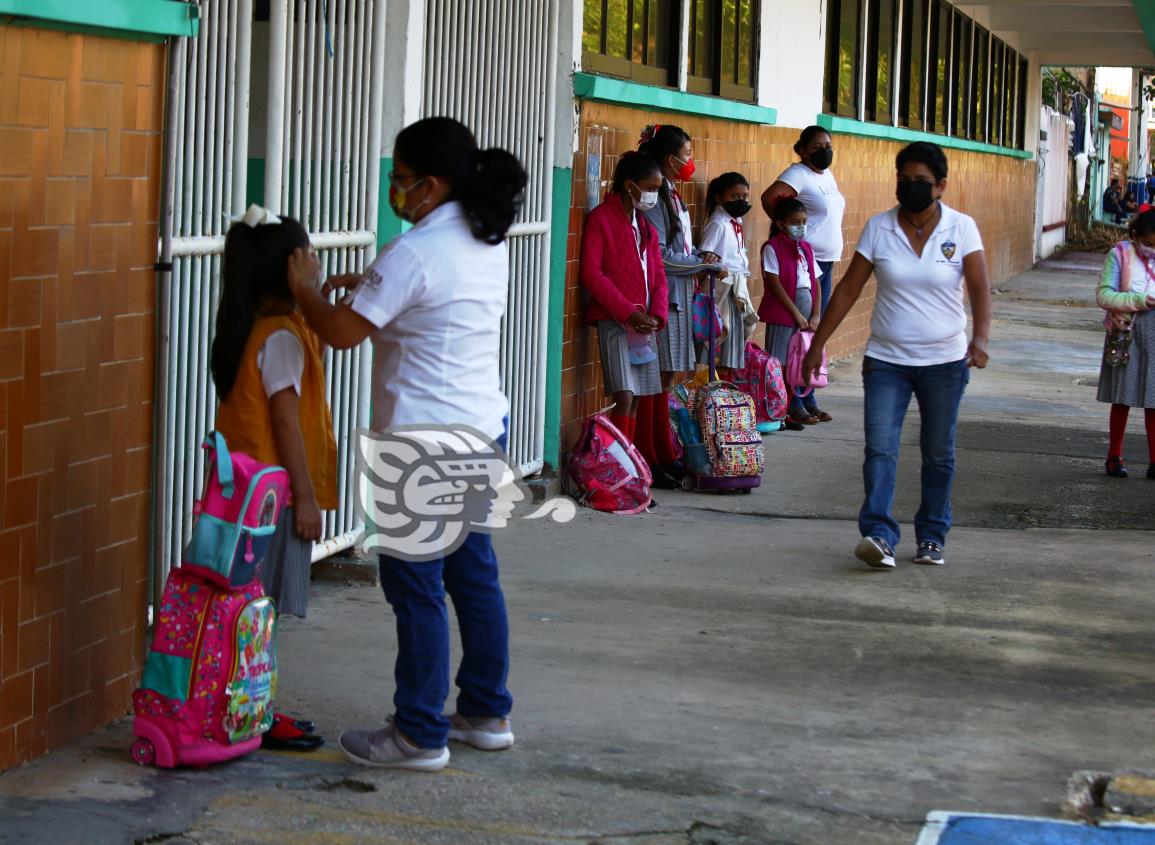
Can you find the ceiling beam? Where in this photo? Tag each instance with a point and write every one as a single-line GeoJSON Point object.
{"type": "Point", "coordinates": [1046, 18]}
{"type": "Point", "coordinates": [1094, 58]}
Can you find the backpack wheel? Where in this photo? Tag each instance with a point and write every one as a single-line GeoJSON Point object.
{"type": "Point", "coordinates": [143, 752]}
{"type": "Point", "coordinates": [688, 483]}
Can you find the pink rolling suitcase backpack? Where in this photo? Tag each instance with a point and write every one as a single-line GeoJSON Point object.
{"type": "Point", "coordinates": [211, 676]}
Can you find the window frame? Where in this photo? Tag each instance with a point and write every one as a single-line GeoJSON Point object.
{"type": "Point", "coordinates": [941, 62]}
{"type": "Point", "coordinates": [911, 102]}
{"type": "Point", "coordinates": [831, 84]}
{"type": "Point", "coordinates": [623, 66]}
{"type": "Point", "coordinates": [873, 112]}
{"type": "Point", "coordinates": [714, 84]}
{"type": "Point", "coordinates": [980, 85]}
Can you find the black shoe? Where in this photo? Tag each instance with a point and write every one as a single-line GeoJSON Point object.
{"type": "Point", "coordinates": [676, 471]}
{"type": "Point", "coordinates": [662, 481]}
{"type": "Point", "coordinates": [792, 425]}
{"type": "Point", "coordinates": [304, 742]}
{"type": "Point", "coordinates": [1151, 472]}
{"type": "Point", "coordinates": [1114, 468]}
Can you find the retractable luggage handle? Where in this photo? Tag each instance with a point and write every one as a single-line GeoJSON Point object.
{"type": "Point", "coordinates": [713, 304]}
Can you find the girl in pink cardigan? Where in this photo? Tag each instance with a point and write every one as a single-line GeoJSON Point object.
{"type": "Point", "coordinates": [621, 269]}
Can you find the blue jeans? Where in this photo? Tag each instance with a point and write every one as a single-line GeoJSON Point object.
{"type": "Point", "coordinates": [416, 591]}
{"type": "Point", "coordinates": [888, 388]}
{"type": "Point", "coordinates": [825, 280]}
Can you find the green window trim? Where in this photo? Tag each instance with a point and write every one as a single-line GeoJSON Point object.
{"type": "Point", "coordinates": [1145, 9]}
{"type": "Point", "coordinates": [604, 89]}
{"type": "Point", "coordinates": [846, 126]}
{"type": "Point", "coordinates": [148, 20]}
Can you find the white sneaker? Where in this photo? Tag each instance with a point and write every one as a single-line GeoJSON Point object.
{"type": "Point", "coordinates": [388, 749]}
{"type": "Point", "coordinates": [486, 734]}
{"type": "Point", "coordinates": [875, 553]}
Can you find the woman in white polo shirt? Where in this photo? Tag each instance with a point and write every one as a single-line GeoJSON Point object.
{"type": "Point", "coordinates": [811, 181]}
{"type": "Point", "coordinates": [924, 255]}
{"type": "Point", "coordinates": [432, 303]}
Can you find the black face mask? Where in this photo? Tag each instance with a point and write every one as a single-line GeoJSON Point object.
{"type": "Point", "coordinates": [915, 197]}
{"type": "Point", "coordinates": [822, 157]}
{"type": "Point", "coordinates": [736, 208]}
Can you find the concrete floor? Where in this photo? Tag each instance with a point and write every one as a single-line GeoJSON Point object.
{"type": "Point", "coordinates": [723, 671]}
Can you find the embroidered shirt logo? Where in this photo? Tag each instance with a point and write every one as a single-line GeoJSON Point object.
{"type": "Point", "coordinates": [948, 248]}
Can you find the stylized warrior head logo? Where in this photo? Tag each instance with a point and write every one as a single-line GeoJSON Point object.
{"type": "Point", "coordinates": [422, 490]}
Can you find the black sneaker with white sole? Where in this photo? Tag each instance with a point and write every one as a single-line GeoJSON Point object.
{"type": "Point", "coordinates": [929, 553]}
{"type": "Point", "coordinates": [875, 553]}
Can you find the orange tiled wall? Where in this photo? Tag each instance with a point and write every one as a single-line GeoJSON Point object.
{"type": "Point", "coordinates": [997, 190]}
{"type": "Point", "coordinates": [80, 140]}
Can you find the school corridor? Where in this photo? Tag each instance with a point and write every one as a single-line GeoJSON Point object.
{"type": "Point", "coordinates": [723, 670]}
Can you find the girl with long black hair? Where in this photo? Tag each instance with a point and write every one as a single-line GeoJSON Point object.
{"type": "Point", "coordinates": [269, 373]}
{"type": "Point", "coordinates": [432, 304]}
{"type": "Point", "coordinates": [677, 354]}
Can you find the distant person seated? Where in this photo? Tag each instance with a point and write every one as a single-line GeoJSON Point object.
{"type": "Point", "coordinates": [1130, 207]}
{"type": "Point", "coordinates": [1113, 201]}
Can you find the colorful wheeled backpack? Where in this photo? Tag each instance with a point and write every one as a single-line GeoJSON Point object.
{"type": "Point", "coordinates": [606, 471]}
{"type": "Point", "coordinates": [211, 676]}
{"type": "Point", "coordinates": [728, 423]}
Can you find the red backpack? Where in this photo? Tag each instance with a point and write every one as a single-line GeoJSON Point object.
{"type": "Point", "coordinates": [606, 471]}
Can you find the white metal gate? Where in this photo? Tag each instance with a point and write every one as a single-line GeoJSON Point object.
{"type": "Point", "coordinates": [323, 142]}
{"type": "Point", "coordinates": [491, 64]}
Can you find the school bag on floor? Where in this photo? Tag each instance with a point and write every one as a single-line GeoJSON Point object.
{"type": "Point", "coordinates": [683, 403]}
{"type": "Point", "coordinates": [211, 675]}
{"type": "Point", "coordinates": [728, 422]}
{"type": "Point", "coordinates": [606, 471]}
{"type": "Point", "coordinates": [796, 352]}
{"type": "Point", "coordinates": [762, 380]}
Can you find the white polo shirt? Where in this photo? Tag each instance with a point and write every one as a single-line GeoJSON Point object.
{"type": "Point", "coordinates": [919, 317]}
{"type": "Point", "coordinates": [437, 296]}
{"type": "Point", "coordinates": [720, 236]}
{"type": "Point", "coordinates": [825, 207]}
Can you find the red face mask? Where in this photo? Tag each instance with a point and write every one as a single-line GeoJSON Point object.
{"type": "Point", "coordinates": [687, 169]}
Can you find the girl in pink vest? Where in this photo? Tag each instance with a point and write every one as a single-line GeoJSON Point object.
{"type": "Point", "coordinates": [789, 274]}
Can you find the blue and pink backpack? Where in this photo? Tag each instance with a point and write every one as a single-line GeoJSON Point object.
{"type": "Point", "coordinates": [211, 676]}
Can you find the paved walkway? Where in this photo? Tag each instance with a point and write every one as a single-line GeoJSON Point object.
{"type": "Point", "coordinates": [723, 670]}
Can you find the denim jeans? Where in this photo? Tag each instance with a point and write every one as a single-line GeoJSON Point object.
{"type": "Point", "coordinates": [825, 280]}
{"type": "Point", "coordinates": [416, 591]}
{"type": "Point", "coordinates": [888, 388]}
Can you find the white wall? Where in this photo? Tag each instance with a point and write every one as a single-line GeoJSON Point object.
{"type": "Point", "coordinates": [792, 60]}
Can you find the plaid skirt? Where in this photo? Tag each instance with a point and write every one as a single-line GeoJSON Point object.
{"type": "Point", "coordinates": [676, 352]}
{"type": "Point", "coordinates": [1132, 384]}
{"type": "Point", "coordinates": [617, 371]}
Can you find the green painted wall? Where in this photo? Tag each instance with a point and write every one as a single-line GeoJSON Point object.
{"type": "Point", "coordinates": [136, 20]}
{"type": "Point", "coordinates": [559, 241]}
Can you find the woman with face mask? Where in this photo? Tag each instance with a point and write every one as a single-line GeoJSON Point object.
{"type": "Point", "coordinates": [621, 269]}
{"type": "Point", "coordinates": [432, 304]}
{"type": "Point", "coordinates": [811, 181]}
{"type": "Point", "coordinates": [1127, 377]}
{"type": "Point", "coordinates": [925, 256]}
{"type": "Point", "coordinates": [790, 304]}
{"type": "Point", "coordinates": [677, 354]}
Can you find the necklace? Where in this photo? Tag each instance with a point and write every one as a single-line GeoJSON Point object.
{"type": "Point", "coordinates": [918, 230]}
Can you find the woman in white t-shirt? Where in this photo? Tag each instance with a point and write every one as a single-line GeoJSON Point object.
{"type": "Point", "coordinates": [811, 181]}
{"type": "Point", "coordinates": [925, 256]}
{"type": "Point", "coordinates": [432, 303]}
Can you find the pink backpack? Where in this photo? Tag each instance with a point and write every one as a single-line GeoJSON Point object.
{"type": "Point", "coordinates": [606, 471]}
{"type": "Point", "coordinates": [208, 686]}
{"type": "Point", "coordinates": [799, 346]}
{"type": "Point", "coordinates": [236, 518]}
{"type": "Point", "coordinates": [762, 379]}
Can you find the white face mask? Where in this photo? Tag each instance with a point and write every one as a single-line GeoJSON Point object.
{"type": "Point", "coordinates": [646, 200]}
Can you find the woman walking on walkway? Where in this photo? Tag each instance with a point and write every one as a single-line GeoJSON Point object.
{"type": "Point", "coordinates": [924, 255]}
{"type": "Point", "coordinates": [811, 182]}
{"type": "Point", "coordinates": [1127, 378]}
{"type": "Point", "coordinates": [432, 303]}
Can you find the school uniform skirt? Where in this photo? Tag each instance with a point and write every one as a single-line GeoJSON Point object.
{"type": "Point", "coordinates": [1133, 384]}
{"type": "Point", "coordinates": [676, 352]}
{"type": "Point", "coordinates": [617, 372]}
{"type": "Point", "coordinates": [286, 568]}
{"type": "Point", "coordinates": [778, 337]}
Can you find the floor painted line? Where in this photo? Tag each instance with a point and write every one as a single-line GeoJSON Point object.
{"type": "Point", "coordinates": [974, 829]}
